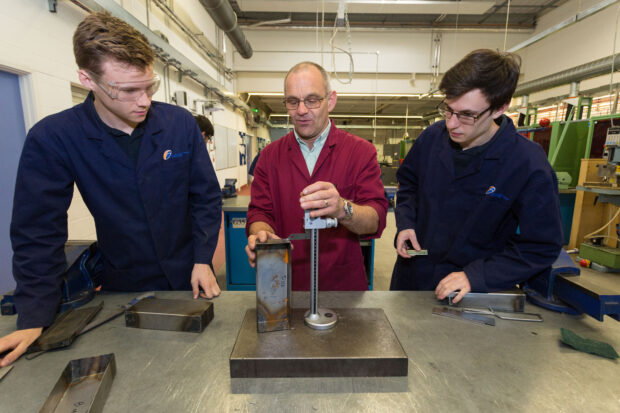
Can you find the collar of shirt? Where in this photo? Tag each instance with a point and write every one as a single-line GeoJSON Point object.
{"type": "Point", "coordinates": [312, 155]}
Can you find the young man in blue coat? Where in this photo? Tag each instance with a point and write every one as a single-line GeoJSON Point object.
{"type": "Point", "coordinates": [480, 197]}
{"type": "Point", "coordinates": [142, 169]}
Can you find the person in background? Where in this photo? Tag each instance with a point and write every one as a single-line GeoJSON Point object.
{"type": "Point", "coordinates": [481, 198]}
{"type": "Point", "coordinates": [205, 126]}
{"type": "Point", "coordinates": [253, 165]}
{"type": "Point", "coordinates": [321, 168]}
{"type": "Point", "coordinates": [143, 172]}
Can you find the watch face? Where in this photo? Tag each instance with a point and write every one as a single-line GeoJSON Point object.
{"type": "Point", "coordinates": [348, 209]}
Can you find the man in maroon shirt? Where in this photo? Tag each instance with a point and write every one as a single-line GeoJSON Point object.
{"type": "Point", "coordinates": [321, 168]}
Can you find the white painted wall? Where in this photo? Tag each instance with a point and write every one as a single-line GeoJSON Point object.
{"type": "Point", "coordinates": [580, 43]}
{"type": "Point", "coordinates": [402, 53]}
{"type": "Point", "coordinates": [384, 61]}
{"type": "Point", "coordinates": [38, 45]}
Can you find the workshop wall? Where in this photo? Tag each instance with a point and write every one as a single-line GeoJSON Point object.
{"type": "Point", "coordinates": [37, 45]}
{"type": "Point", "coordinates": [587, 40]}
{"type": "Point", "coordinates": [402, 64]}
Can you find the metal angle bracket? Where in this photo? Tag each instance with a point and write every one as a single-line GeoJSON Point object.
{"type": "Point", "coordinates": [461, 315]}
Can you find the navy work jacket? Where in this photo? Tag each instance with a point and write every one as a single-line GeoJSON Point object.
{"type": "Point", "coordinates": [154, 219]}
{"type": "Point", "coordinates": [499, 220]}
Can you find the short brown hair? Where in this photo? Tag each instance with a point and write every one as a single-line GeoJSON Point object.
{"type": "Point", "coordinates": [495, 73]}
{"type": "Point", "coordinates": [102, 36]}
{"type": "Point", "coordinates": [205, 125]}
{"type": "Point", "coordinates": [305, 65]}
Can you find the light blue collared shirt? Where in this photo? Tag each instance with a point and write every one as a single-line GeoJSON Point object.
{"type": "Point", "coordinates": [311, 155]}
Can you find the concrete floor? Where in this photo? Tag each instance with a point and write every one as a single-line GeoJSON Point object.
{"type": "Point", "coordinates": [385, 256]}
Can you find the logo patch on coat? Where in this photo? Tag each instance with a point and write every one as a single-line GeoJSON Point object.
{"type": "Point", "coordinates": [492, 191]}
{"type": "Point", "coordinates": [168, 154]}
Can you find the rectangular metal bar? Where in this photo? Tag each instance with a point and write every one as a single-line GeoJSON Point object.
{"type": "Point", "coordinates": [65, 329]}
{"type": "Point", "coordinates": [362, 344]}
{"type": "Point", "coordinates": [83, 386]}
{"type": "Point", "coordinates": [5, 370]}
{"type": "Point", "coordinates": [588, 297]}
{"type": "Point", "coordinates": [174, 315]}
{"type": "Point", "coordinates": [465, 316]}
{"type": "Point", "coordinates": [413, 253]}
{"type": "Point", "coordinates": [273, 285]}
{"type": "Point", "coordinates": [502, 301]}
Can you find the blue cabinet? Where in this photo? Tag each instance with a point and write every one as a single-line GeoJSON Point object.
{"type": "Point", "coordinates": [239, 274]}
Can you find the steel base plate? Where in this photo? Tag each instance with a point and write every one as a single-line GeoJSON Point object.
{"type": "Point", "coordinates": [361, 344]}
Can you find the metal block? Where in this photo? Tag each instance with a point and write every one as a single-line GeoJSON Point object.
{"type": "Point", "coordinates": [174, 315]}
{"type": "Point", "coordinates": [362, 344]}
{"type": "Point", "coordinates": [273, 285]}
{"type": "Point", "coordinates": [83, 386]}
{"type": "Point", "coordinates": [65, 329]}
{"type": "Point", "coordinates": [5, 370]}
{"type": "Point", "coordinates": [502, 301]}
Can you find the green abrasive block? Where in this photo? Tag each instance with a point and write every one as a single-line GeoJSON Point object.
{"type": "Point", "coordinates": [588, 346]}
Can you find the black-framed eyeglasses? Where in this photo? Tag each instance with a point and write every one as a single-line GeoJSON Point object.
{"type": "Point", "coordinates": [128, 91]}
{"type": "Point", "coordinates": [311, 102]}
{"type": "Point", "coordinates": [465, 118]}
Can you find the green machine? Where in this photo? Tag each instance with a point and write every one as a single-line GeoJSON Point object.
{"type": "Point", "coordinates": [405, 145]}
{"type": "Point", "coordinates": [607, 190]}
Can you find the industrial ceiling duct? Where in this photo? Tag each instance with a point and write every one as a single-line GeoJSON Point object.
{"type": "Point", "coordinates": [586, 71]}
{"type": "Point", "coordinates": [224, 16]}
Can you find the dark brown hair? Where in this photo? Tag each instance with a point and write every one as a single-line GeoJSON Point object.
{"type": "Point", "coordinates": [205, 125]}
{"type": "Point", "coordinates": [495, 73]}
{"type": "Point", "coordinates": [101, 36]}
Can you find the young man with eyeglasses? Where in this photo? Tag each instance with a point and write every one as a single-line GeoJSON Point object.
{"type": "Point", "coordinates": [143, 172]}
{"type": "Point", "coordinates": [478, 196]}
{"type": "Point", "coordinates": [321, 168]}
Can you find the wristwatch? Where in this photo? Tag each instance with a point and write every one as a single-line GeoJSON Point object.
{"type": "Point", "coordinates": [348, 209]}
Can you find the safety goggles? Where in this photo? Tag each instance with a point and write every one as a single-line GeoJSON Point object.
{"type": "Point", "coordinates": [128, 91]}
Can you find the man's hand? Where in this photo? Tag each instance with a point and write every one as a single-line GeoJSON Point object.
{"type": "Point", "coordinates": [323, 198]}
{"type": "Point", "coordinates": [260, 236]}
{"type": "Point", "coordinates": [453, 282]}
{"type": "Point", "coordinates": [18, 341]}
{"type": "Point", "coordinates": [401, 242]}
{"type": "Point", "coordinates": [203, 277]}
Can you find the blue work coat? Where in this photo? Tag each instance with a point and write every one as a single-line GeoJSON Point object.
{"type": "Point", "coordinates": [499, 220]}
{"type": "Point", "coordinates": [154, 219]}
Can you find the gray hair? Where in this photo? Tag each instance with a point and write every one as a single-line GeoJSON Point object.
{"type": "Point", "coordinates": [305, 65]}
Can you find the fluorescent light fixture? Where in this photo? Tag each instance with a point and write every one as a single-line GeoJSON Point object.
{"type": "Point", "coordinates": [369, 6]}
{"type": "Point", "coordinates": [358, 95]}
{"type": "Point", "coordinates": [283, 115]}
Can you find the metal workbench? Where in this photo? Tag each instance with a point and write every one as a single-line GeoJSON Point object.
{"type": "Point", "coordinates": [453, 365]}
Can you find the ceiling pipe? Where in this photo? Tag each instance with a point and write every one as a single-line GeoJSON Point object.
{"type": "Point", "coordinates": [171, 54]}
{"type": "Point", "coordinates": [574, 89]}
{"type": "Point", "coordinates": [586, 71]}
{"type": "Point", "coordinates": [226, 19]}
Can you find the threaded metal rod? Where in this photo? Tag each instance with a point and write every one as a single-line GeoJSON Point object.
{"type": "Point", "coordinates": [314, 270]}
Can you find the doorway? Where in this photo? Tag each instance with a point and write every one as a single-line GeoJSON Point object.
{"type": "Point", "coordinates": [12, 140]}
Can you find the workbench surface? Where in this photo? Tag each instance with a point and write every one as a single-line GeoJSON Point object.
{"type": "Point", "coordinates": [454, 365]}
{"type": "Point", "coordinates": [238, 203]}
